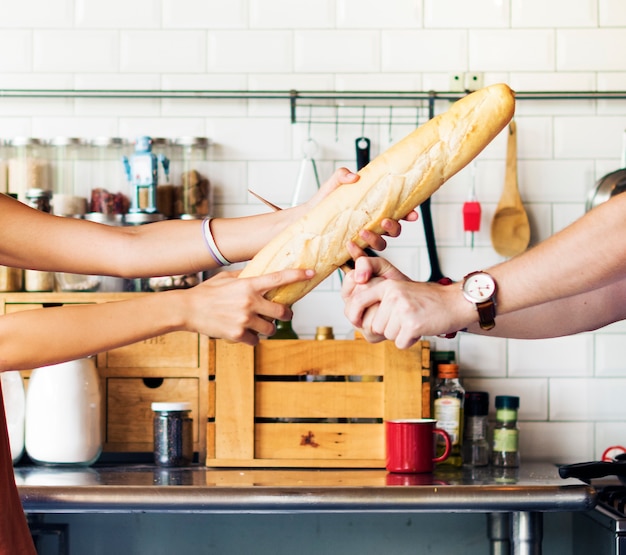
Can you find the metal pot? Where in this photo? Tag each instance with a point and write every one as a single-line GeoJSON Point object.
{"type": "Point", "coordinates": [610, 185]}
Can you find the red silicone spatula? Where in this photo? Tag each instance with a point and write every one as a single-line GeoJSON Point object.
{"type": "Point", "coordinates": [471, 208]}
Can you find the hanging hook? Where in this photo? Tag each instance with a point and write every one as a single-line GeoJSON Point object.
{"type": "Point", "coordinates": [336, 124]}
{"type": "Point", "coordinates": [390, 122]}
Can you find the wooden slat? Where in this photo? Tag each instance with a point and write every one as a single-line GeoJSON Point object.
{"type": "Point", "coordinates": [319, 358]}
{"type": "Point", "coordinates": [403, 382]}
{"type": "Point", "coordinates": [234, 401]}
{"type": "Point", "coordinates": [319, 399]}
{"type": "Point", "coordinates": [319, 441]}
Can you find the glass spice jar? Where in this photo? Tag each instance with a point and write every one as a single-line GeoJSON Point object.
{"type": "Point", "coordinates": [475, 444]}
{"type": "Point", "coordinates": [173, 436]}
{"type": "Point", "coordinates": [193, 196]}
{"type": "Point", "coordinates": [506, 433]}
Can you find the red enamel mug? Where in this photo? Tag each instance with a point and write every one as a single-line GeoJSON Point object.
{"type": "Point", "coordinates": [410, 445]}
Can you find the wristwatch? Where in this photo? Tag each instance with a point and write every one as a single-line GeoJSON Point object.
{"type": "Point", "coordinates": [479, 288]}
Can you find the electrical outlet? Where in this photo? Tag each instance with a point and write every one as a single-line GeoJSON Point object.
{"type": "Point", "coordinates": [473, 81]}
{"type": "Point", "coordinates": [457, 82]}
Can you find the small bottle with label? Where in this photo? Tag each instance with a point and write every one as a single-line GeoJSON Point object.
{"type": "Point", "coordinates": [475, 444]}
{"type": "Point", "coordinates": [449, 398]}
{"type": "Point", "coordinates": [504, 451]}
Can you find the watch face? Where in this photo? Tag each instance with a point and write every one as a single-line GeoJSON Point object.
{"type": "Point", "coordinates": [479, 287]}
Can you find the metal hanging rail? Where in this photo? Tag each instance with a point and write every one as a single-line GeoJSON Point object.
{"type": "Point", "coordinates": [296, 97]}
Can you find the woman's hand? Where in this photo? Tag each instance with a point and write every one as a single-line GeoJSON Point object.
{"type": "Point", "coordinates": [235, 309]}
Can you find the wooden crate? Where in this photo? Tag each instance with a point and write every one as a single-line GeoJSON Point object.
{"type": "Point", "coordinates": [270, 407]}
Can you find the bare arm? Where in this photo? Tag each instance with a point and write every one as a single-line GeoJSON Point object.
{"type": "Point", "coordinates": [573, 281]}
{"type": "Point", "coordinates": [32, 239]}
{"type": "Point", "coordinates": [223, 306]}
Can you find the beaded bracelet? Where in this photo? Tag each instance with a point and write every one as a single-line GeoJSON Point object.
{"type": "Point", "coordinates": [211, 246]}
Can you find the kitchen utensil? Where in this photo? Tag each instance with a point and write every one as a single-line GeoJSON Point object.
{"type": "Point", "coordinates": [510, 229]}
{"type": "Point", "coordinates": [610, 185]}
{"type": "Point", "coordinates": [362, 152]}
{"type": "Point", "coordinates": [305, 189]}
{"type": "Point", "coordinates": [596, 469]}
{"type": "Point", "coordinates": [427, 220]}
{"type": "Point", "coordinates": [471, 208]}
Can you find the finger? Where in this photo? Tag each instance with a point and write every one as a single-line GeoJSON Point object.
{"type": "Point", "coordinates": [391, 227]}
{"type": "Point", "coordinates": [374, 240]}
{"type": "Point", "coordinates": [354, 250]}
{"type": "Point", "coordinates": [270, 281]}
{"type": "Point", "coordinates": [412, 216]}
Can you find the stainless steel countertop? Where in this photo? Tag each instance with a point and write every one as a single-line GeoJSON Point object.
{"type": "Point", "coordinates": [197, 489]}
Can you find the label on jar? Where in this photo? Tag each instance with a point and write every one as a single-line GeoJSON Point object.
{"type": "Point", "coordinates": [448, 417]}
{"type": "Point", "coordinates": [505, 440]}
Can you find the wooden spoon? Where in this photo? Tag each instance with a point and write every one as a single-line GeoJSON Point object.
{"type": "Point", "coordinates": [510, 230]}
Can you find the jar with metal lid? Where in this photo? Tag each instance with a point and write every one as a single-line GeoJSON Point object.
{"type": "Point", "coordinates": [65, 154]}
{"type": "Point", "coordinates": [506, 433]}
{"type": "Point", "coordinates": [38, 280]}
{"type": "Point", "coordinates": [107, 182]}
{"type": "Point", "coordinates": [475, 444]}
{"type": "Point", "coordinates": [324, 332]}
{"type": "Point", "coordinates": [173, 434]}
{"type": "Point", "coordinates": [193, 193]}
{"type": "Point", "coordinates": [28, 166]}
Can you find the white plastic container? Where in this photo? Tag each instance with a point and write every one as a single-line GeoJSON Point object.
{"type": "Point", "coordinates": [64, 414]}
{"type": "Point", "coordinates": [14, 409]}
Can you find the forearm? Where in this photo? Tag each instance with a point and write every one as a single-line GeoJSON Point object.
{"type": "Point", "coordinates": [172, 247]}
{"type": "Point", "coordinates": [566, 316]}
{"type": "Point", "coordinates": [589, 254]}
{"type": "Point", "coordinates": [39, 337]}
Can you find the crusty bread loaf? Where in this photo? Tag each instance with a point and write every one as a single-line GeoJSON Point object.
{"type": "Point", "coordinates": [390, 186]}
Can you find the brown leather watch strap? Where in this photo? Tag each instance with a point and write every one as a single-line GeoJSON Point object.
{"type": "Point", "coordinates": [486, 314]}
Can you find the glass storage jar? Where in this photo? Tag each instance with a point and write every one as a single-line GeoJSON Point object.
{"type": "Point", "coordinates": [38, 280]}
{"type": "Point", "coordinates": [28, 166]}
{"type": "Point", "coordinates": [65, 154]}
{"type": "Point", "coordinates": [193, 193]}
{"type": "Point", "coordinates": [107, 182]}
{"type": "Point", "coordinates": [173, 434]}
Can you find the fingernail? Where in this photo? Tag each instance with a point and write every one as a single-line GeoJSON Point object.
{"type": "Point", "coordinates": [310, 273]}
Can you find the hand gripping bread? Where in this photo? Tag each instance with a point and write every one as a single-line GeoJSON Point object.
{"type": "Point", "coordinates": [390, 186]}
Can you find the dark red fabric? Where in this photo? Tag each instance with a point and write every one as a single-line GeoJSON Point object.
{"type": "Point", "coordinates": [15, 538]}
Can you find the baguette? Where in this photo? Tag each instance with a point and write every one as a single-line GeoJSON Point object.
{"type": "Point", "coordinates": [390, 186]}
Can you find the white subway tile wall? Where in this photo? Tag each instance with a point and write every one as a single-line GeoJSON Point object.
{"type": "Point", "coordinates": [572, 389]}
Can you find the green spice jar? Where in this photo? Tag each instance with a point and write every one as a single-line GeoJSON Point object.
{"type": "Point", "coordinates": [506, 433]}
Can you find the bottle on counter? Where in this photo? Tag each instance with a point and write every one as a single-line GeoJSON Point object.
{"type": "Point", "coordinates": [475, 444]}
{"type": "Point", "coordinates": [284, 330]}
{"type": "Point", "coordinates": [448, 401]}
{"type": "Point", "coordinates": [505, 451]}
